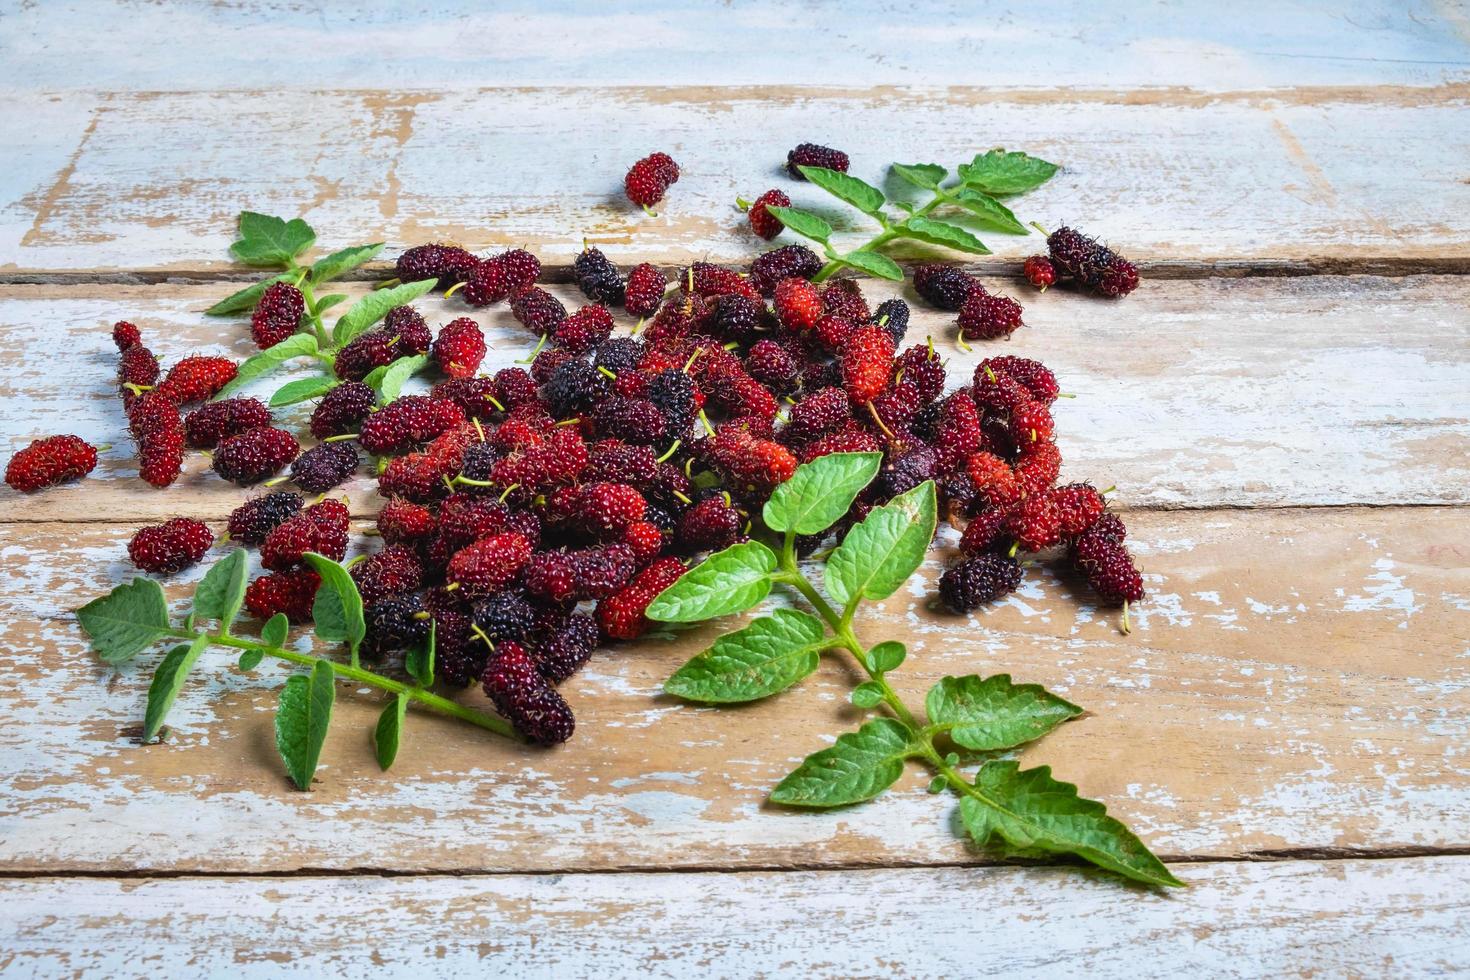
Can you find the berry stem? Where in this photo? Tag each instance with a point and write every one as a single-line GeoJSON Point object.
{"type": "Point", "coordinates": [322, 341]}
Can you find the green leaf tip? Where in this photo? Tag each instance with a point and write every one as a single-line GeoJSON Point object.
{"type": "Point", "coordinates": [861, 765]}
{"type": "Point", "coordinates": [728, 581]}
{"type": "Point", "coordinates": [820, 492]}
{"type": "Point", "coordinates": [766, 657]}
{"type": "Point", "coordinates": [302, 718]}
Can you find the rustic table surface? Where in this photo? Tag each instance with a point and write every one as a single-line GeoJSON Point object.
{"type": "Point", "coordinates": [1284, 405]}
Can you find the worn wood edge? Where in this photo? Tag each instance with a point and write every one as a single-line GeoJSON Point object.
{"type": "Point", "coordinates": [1400, 916]}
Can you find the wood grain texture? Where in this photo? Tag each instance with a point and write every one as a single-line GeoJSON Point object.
{"type": "Point", "coordinates": [1295, 682]}
{"type": "Point", "coordinates": [1251, 392]}
{"type": "Point", "coordinates": [118, 181]}
{"type": "Point", "coordinates": [1357, 918]}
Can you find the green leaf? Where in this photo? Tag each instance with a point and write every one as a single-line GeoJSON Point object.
{"type": "Point", "coordinates": [247, 298]}
{"type": "Point", "coordinates": [303, 389]}
{"type": "Point", "coordinates": [881, 553]}
{"type": "Point", "coordinates": [1033, 811]}
{"type": "Point", "coordinates": [302, 718]}
{"type": "Point", "coordinates": [887, 656]}
{"type": "Point", "coordinates": [374, 306]}
{"type": "Point", "coordinates": [390, 385]}
{"type": "Point", "coordinates": [129, 618]}
{"type": "Point", "coordinates": [420, 661]}
{"type": "Point", "coordinates": [766, 657]}
{"type": "Point", "coordinates": [860, 766]}
{"type": "Point", "coordinates": [868, 694]}
{"type": "Point", "coordinates": [296, 345]}
{"type": "Point", "coordinates": [992, 713]}
{"type": "Point", "coordinates": [331, 266]}
{"type": "Point", "coordinates": [337, 610]}
{"type": "Point", "coordinates": [802, 222]}
{"type": "Point", "coordinates": [389, 730]}
{"type": "Point", "coordinates": [168, 681]}
{"type": "Point", "coordinates": [874, 264]}
{"type": "Point", "coordinates": [999, 172]}
{"type": "Point", "coordinates": [325, 303]}
{"type": "Point", "coordinates": [925, 175]}
{"type": "Point", "coordinates": [219, 595]}
{"type": "Point", "coordinates": [860, 194]}
{"type": "Point", "coordinates": [991, 211]}
{"type": "Point", "coordinates": [728, 581]}
{"type": "Point", "coordinates": [250, 659]}
{"type": "Point", "coordinates": [267, 240]}
{"type": "Point", "coordinates": [275, 630]}
{"type": "Point", "coordinates": [944, 233]}
{"type": "Point", "coordinates": [820, 492]}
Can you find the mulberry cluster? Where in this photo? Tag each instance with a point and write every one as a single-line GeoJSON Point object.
{"type": "Point", "coordinates": [1091, 263]}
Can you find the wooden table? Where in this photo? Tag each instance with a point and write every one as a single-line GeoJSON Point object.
{"type": "Point", "coordinates": [1284, 405]}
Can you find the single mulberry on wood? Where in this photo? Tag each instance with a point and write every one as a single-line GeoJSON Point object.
{"type": "Point", "coordinates": [47, 462]}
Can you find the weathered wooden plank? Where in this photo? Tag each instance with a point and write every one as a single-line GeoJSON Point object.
{"type": "Point", "coordinates": [120, 181]}
{"type": "Point", "coordinates": [1255, 392]}
{"type": "Point", "coordinates": [1295, 680]}
{"type": "Point", "coordinates": [1347, 918]}
{"type": "Point", "coordinates": [873, 42]}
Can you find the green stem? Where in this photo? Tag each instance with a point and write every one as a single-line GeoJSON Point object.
{"type": "Point", "coordinates": [322, 341]}
{"type": "Point", "coordinates": [428, 699]}
{"type": "Point", "coordinates": [941, 196]}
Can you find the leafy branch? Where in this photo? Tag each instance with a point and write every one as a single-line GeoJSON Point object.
{"type": "Point", "coordinates": [1026, 811]}
{"type": "Point", "coordinates": [134, 616]}
{"type": "Point", "coordinates": [976, 191]}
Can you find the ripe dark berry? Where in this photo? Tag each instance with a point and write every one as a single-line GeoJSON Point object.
{"type": "Point", "coordinates": [573, 387]}
{"type": "Point", "coordinates": [255, 455]}
{"type": "Point", "coordinates": [490, 564]}
{"type": "Point", "coordinates": [459, 348]}
{"type": "Point", "coordinates": [367, 352]}
{"type": "Point", "coordinates": [1036, 377]}
{"type": "Point", "coordinates": [393, 571]}
{"type": "Point", "coordinates": [560, 652]}
{"type": "Point", "coordinates": [525, 698]}
{"type": "Point", "coordinates": [447, 263]}
{"type": "Point", "coordinates": [677, 396]}
{"type": "Point", "coordinates": [125, 335]}
{"type": "Point", "coordinates": [816, 415]}
{"type": "Point", "coordinates": [597, 277]}
{"type": "Point", "coordinates": [920, 366]}
{"type": "Point", "coordinates": [396, 623]}
{"type": "Point", "coordinates": [649, 179]}
{"type": "Point", "coordinates": [734, 317]}
{"type": "Point", "coordinates": [584, 329]}
{"type": "Point", "coordinates": [171, 546]}
{"type": "Point", "coordinates": [476, 397]}
{"type": "Point", "coordinates": [645, 290]}
{"type": "Point", "coordinates": [402, 521]}
{"type": "Point", "coordinates": [632, 420]}
{"type": "Point", "coordinates": [505, 616]}
{"type": "Point", "coordinates": [976, 581]}
{"type": "Point", "coordinates": [407, 324]}
{"type": "Point", "coordinates": [945, 286]}
{"type": "Point", "coordinates": [844, 297]}
{"type": "Point", "coordinates": [537, 310]}
{"type": "Point", "coordinates": [277, 315]}
{"type": "Point", "coordinates": [764, 223]}
{"type": "Point", "coordinates": [514, 386]}
{"type": "Point", "coordinates": [486, 283]}
{"type": "Point", "coordinates": [408, 420]}
{"type": "Point", "coordinates": [986, 316]}
{"type": "Point", "coordinates": [867, 363]}
{"type": "Point", "coordinates": [986, 529]}
{"type": "Point", "coordinates": [709, 525]}
{"type": "Point", "coordinates": [1108, 567]}
{"type": "Point", "coordinates": [290, 593]}
{"type": "Point", "coordinates": [1092, 264]}
{"type": "Point", "coordinates": [322, 528]}
{"type": "Point", "coordinates": [602, 571]}
{"type": "Point", "coordinates": [520, 268]}
{"type": "Point", "coordinates": [47, 462]}
{"type": "Point", "coordinates": [196, 378]}
{"type": "Point", "coordinates": [161, 457]}
{"type": "Point", "coordinates": [1039, 272]}
{"type": "Point", "coordinates": [598, 509]}
{"type": "Point", "coordinates": [893, 316]}
{"type": "Point", "coordinates": [342, 409]}
{"type": "Point", "coordinates": [137, 366]}
{"type": "Point", "coordinates": [325, 466]}
{"type": "Point", "coordinates": [798, 304]}
{"type": "Point", "coordinates": [621, 616]}
{"type": "Point", "coordinates": [1031, 422]}
{"type": "Point", "coordinates": [259, 516]}
{"type": "Point", "coordinates": [786, 262]}
{"type": "Point", "coordinates": [1120, 279]}
{"type": "Point", "coordinates": [773, 366]}
{"type": "Point", "coordinates": [620, 355]}
{"type": "Point", "coordinates": [814, 155]}
{"type": "Point", "coordinates": [832, 331]}
{"type": "Point", "coordinates": [209, 423]}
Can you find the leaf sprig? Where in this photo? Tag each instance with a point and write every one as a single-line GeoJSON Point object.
{"type": "Point", "coordinates": [968, 721]}
{"type": "Point", "coordinates": [981, 182]}
{"type": "Point", "coordinates": [134, 616]}
{"type": "Point", "coordinates": [270, 242]}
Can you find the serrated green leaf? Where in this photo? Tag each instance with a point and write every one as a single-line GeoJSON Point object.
{"type": "Point", "coordinates": [728, 581]}
{"type": "Point", "coordinates": [337, 610]}
{"type": "Point", "coordinates": [882, 552]}
{"type": "Point", "coordinates": [219, 594]}
{"type": "Point", "coordinates": [129, 618]}
{"type": "Point", "coordinates": [886, 656]}
{"type": "Point", "coordinates": [868, 694]}
{"type": "Point", "coordinates": [325, 303]}
{"type": "Point", "coordinates": [802, 222]}
{"type": "Point", "coordinates": [925, 175]}
{"type": "Point", "coordinates": [1031, 810]}
{"type": "Point", "coordinates": [296, 345]}
{"type": "Point", "coordinates": [874, 264]}
{"type": "Point", "coordinates": [331, 266]}
{"type": "Point", "coordinates": [419, 663]}
{"type": "Point", "coordinates": [302, 389]}
{"type": "Point", "coordinates": [990, 211]}
{"type": "Point", "coordinates": [999, 172]}
{"type": "Point", "coordinates": [275, 630]}
{"type": "Point", "coordinates": [302, 718]}
{"type": "Point", "coordinates": [820, 492]}
{"type": "Point", "coordinates": [168, 681]}
{"type": "Point", "coordinates": [390, 385]}
{"type": "Point", "coordinates": [943, 233]}
{"type": "Point", "coordinates": [992, 713]}
{"type": "Point", "coordinates": [374, 306]}
{"type": "Point", "coordinates": [268, 240]}
{"type": "Point", "coordinates": [845, 187]}
{"type": "Point", "coordinates": [762, 659]}
{"type": "Point", "coordinates": [250, 659]}
{"type": "Point", "coordinates": [860, 766]}
{"type": "Point", "coordinates": [389, 731]}
{"type": "Point", "coordinates": [246, 299]}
